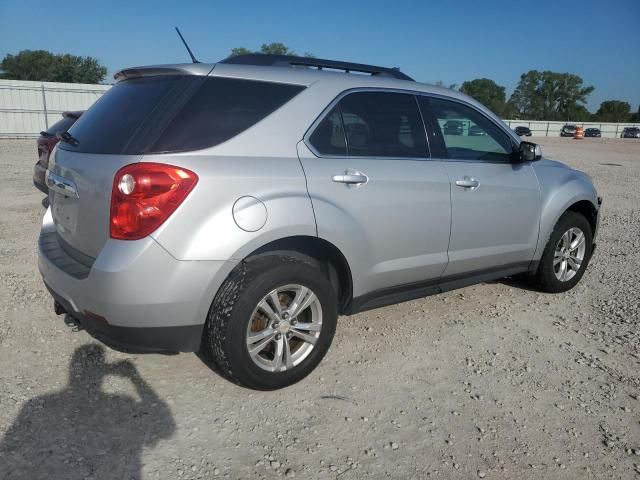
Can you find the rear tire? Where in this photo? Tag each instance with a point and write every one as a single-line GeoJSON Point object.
{"type": "Point", "coordinates": [559, 269]}
{"type": "Point", "coordinates": [265, 345]}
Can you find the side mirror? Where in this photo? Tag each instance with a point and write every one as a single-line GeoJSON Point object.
{"type": "Point", "coordinates": [529, 152]}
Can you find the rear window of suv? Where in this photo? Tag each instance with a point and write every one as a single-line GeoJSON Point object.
{"type": "Point", "coordinates": [175, 113]}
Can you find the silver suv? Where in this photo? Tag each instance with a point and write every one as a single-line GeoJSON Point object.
{"type": "Point", "coordinates": [238, 208]}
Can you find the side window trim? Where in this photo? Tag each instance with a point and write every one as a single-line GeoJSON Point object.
{"type": "Point", "coordinates": [344, 130]}
{"type": "Point", "coordinates": [438, 139]}
{"type": "Point", "coordinates": [335, 101]}
{"type": "Point", "coordinates": [434, 135]}
{"type": "Point", "coordinates": [424, 126]}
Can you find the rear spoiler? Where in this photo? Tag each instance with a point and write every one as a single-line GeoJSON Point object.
{"type": "Point", "coordinates": [157, 70]}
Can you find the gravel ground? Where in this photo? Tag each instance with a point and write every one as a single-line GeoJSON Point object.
{"type": "Point", "coordinates": [491, 381]}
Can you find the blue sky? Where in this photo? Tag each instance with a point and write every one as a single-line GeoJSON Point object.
{"type": "Point", "coordinates": [451, 41]}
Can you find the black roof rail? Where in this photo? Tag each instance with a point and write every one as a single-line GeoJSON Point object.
{"type": "Point", "coordinates": [294, 61]}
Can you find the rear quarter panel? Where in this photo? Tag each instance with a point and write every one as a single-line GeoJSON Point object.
{"type": "Point", "coordinates": [204, 228]}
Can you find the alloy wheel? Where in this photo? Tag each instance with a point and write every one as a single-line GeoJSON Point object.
{"type": "Point", "coordinates": [284, 328]}
{"type": "Point", "coordinates": [569, 254]}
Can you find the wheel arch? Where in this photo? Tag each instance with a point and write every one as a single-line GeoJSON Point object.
{"type": "Point", "coordinates": [579, 204]}
{"type": "Point", "coordinates": [321, 250]}
{"type": "Point", "coordinates": [587, 210]}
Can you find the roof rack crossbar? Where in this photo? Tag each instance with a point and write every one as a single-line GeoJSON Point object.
{"type": "Point", "coordinates": [320, 64]}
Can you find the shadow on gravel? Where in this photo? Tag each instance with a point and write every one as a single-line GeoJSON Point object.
{"type": "Point", "coordinates": [83, 432]}
{"type": "Point", "coordinates": [522, 282]}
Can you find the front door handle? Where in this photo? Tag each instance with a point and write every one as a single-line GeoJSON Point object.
{"type": "Point", "coordinates": [468, 182]}
{"type": "Point", "coordinates": [355, 178]}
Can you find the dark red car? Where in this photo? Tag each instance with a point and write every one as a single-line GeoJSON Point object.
{"type": "Point", "coordinates": [46, 141]}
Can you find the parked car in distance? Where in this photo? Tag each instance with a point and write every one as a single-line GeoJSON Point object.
{"type": "Point", "coordinates": [238, 210]}
{"type": "Point", "coordinates": [592, 132]}
{"type": "Point", "coordinates": [523, 131]}
{"type": "Point", "coordinates": [475, 131]}
{"type": "Point", "coordinates": [630, 132]}
{"type": "Point", "coordinates": [46, 141]}
{"type": "Point", "coordinates": [453, 127]}
{"type": "Point", "coordinates": [568, 130]}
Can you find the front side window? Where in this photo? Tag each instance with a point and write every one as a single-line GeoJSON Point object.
{"type": "Point", "coordinates": [374, 124]}
{"type": "Point", "coordinates": [469, 135]}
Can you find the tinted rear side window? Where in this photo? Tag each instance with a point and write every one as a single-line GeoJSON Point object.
{"type": "Point", "coordinates": [383, 124]}
{"type": "Point", "coordinates": [221, 109]}
{"type": "Point", "coordinates": [328, 137]}
{"type": "Point", "coordinates": [175, 113]}
{"type": "Point", "coordinates": [111, 122]}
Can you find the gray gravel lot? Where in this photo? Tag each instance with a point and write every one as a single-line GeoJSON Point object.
{"type": "Point", "coordinates": [491, 381]}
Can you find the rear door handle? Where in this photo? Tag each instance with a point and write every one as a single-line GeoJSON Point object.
{"type": "Point", "coordinates": [468, 182]}
{"type": "Point", "coordinates": [355, 178]}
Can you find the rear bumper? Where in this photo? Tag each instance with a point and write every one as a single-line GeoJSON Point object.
{"type": "Point", "coordinates": [145, 339]}
{"type": "Point", "coordinates": [135, 295]}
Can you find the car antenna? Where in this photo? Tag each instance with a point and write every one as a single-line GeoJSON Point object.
{"type": "Point", "coordinates": [193, 58]}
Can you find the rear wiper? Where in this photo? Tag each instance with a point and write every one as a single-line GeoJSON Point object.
{"type": "Point", "coordinates": [66, 137]}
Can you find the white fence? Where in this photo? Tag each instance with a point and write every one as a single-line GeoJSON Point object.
{"type": "Point", "coordinates": [26, 108]}
{"type": "Point", "coordinates": [552, 129]}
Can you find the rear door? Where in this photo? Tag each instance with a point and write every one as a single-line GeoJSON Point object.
{"type": "Point", "coordinates": [375, 193]}
{"type": "Point", "coordinates": [495, 202]}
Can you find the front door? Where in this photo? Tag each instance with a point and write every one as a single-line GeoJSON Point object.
{"type": "Point", "coordinates": [495, 202]}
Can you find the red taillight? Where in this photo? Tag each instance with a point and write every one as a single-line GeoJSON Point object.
{"type": "Point", "coordinates": [144, 195]}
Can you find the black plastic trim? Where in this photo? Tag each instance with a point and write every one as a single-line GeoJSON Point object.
{"type": "Point", "coordinates": [411, 291]}
{"type": "Point", "coordinates": [49, 244]}
{"type": "Point", "coordinates": [293, 61]}
{"type": "Point", "coordinates": [40, 186]}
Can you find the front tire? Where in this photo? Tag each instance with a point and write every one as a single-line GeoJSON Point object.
{"type": "Point", "coordinates": [566, 255]}
{"type": "Point", "coordinates": [272, 321]}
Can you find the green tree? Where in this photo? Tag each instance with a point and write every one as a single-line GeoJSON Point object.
{"type": "Point", "coordinates": [510, 111]}
{"type": "Point", "coordinates": [550, 95]}
{"type": "Point", "coordinates": [239, 51]}
{"type": "Point", "coordinates": [43, 66]}
{"type": "Point", "coordinates": [275, 48]}
{"type": "Point", "coordinates": [580, 114]}
{"type": "Point", "coordinates": [488, 93]}
{"type": "Point", "coordinates": [613, 111]}
{"type": "Point", "coordinates": [29, 65]}
{"type": "Point", "coordinates": [74, 69]}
